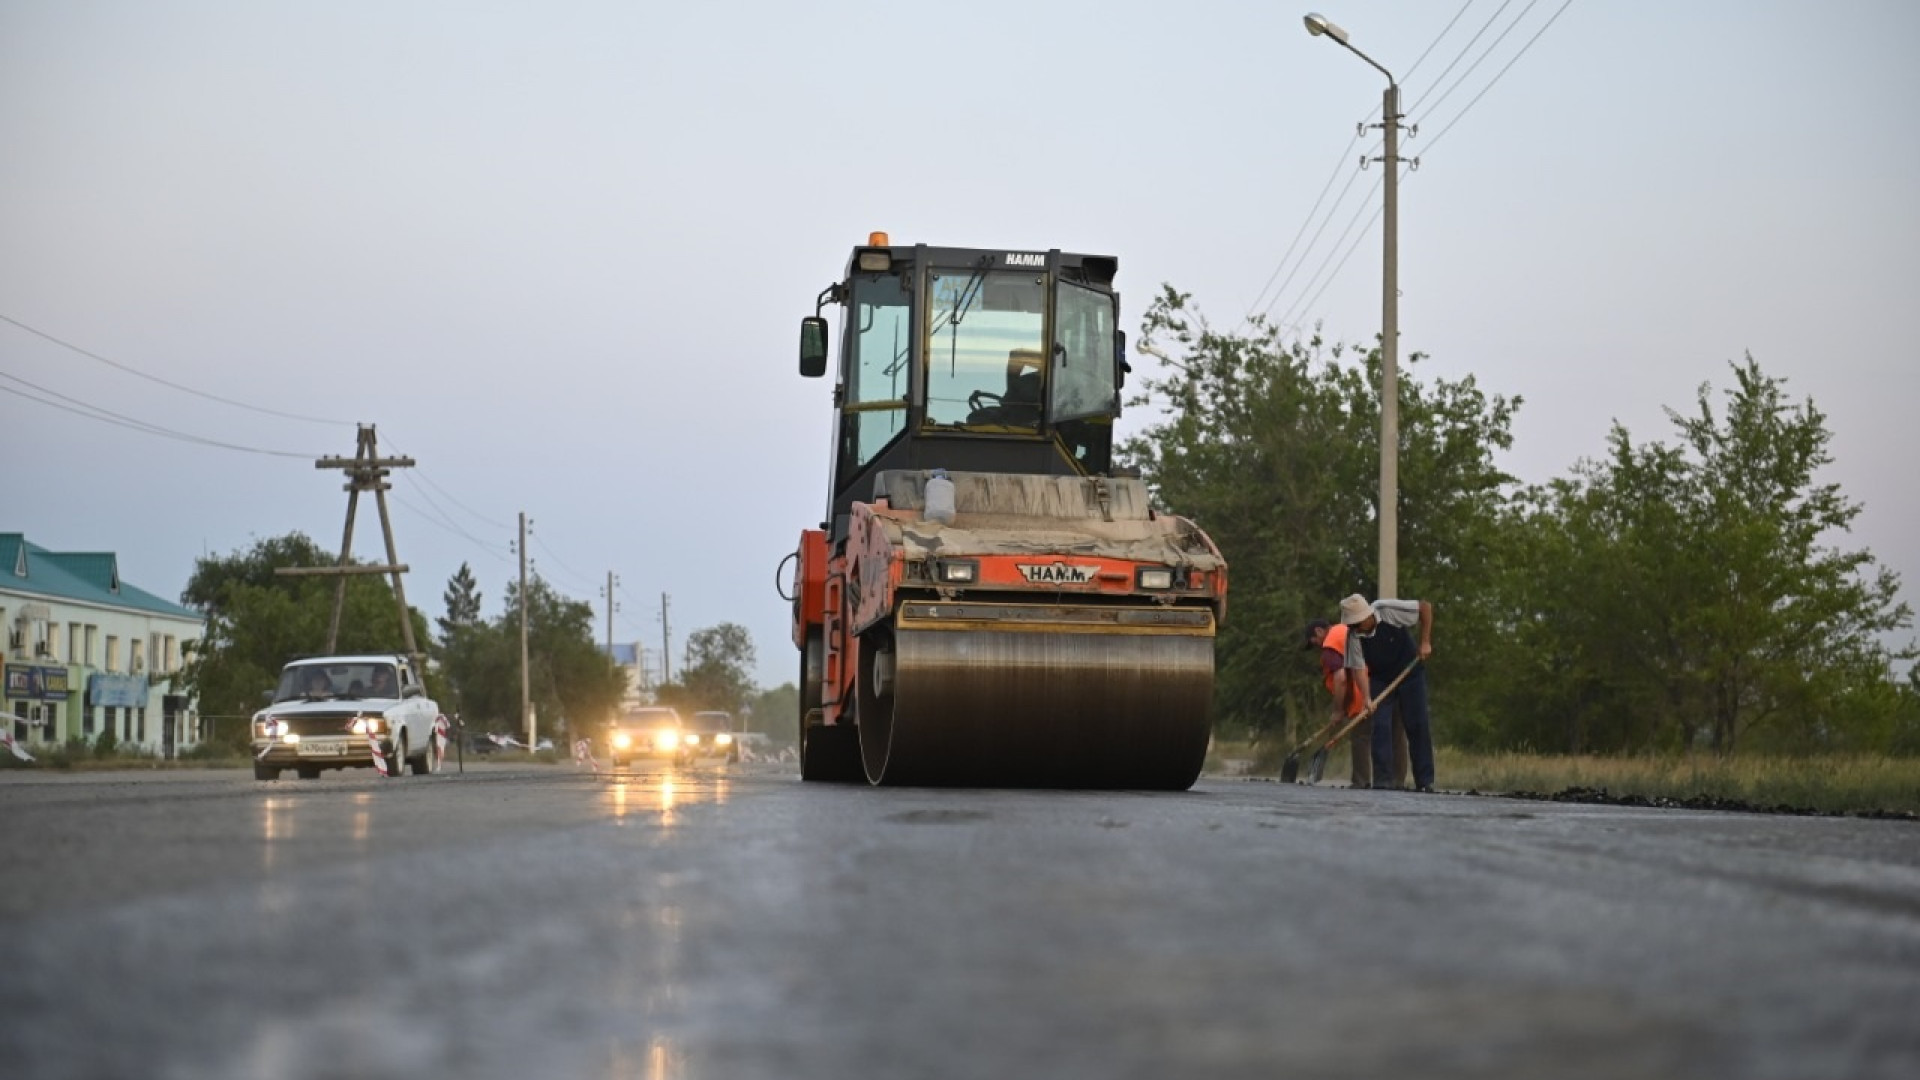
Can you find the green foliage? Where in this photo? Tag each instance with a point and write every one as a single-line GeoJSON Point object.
{"type": "Point", "coordinates": [1685, 593]}
{"type": "Point", "coordinates": [775, 712]}
{"type": "Point", "coordinates": [571, 685]}
{"type": "Point", "coordinates": [1272, 447]}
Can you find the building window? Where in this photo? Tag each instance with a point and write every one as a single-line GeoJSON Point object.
{"type": "Point", "coordinates": [113, 653]}
{"type": "Point", "coordinates": [88, 716]}
{"type": "Point", "coordinates": [92, 656]}
{"type": "Point", "coordinates": [142, 736]}
{"type": "Point", "coordinates": [76, 643]}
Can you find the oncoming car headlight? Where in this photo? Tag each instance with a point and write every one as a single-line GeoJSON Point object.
{"type": "Point", "coordinates": [723, 739]}
{"type": "Point", "coordinates": [666, 739]}
{"type": "Point", "coordinates": [691, 739]}
{"type": "Point", "coordinates": [368, 725]}
{"type": "Point", "coordinates": [622, 740]}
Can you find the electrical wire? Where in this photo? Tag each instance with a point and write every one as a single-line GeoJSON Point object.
{"type": "Point", "coordinates": [108, 416]}
{"type": "Point", "coordinates": [1462, 54]}
{"type": "Point", "coordinates": [1497, 75]}
{"type": "Point", "coordinates": [1488, 51]}
{"type": "Point", "coordinates": [1333, 210]}
{"type": "Point", "coordinates": [164, 382]}
{"type": "Point", "coordinates": [1302, 304]}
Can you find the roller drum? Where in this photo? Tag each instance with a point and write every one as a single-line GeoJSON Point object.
{"type": "Point", "coordinates": [1078, 699]}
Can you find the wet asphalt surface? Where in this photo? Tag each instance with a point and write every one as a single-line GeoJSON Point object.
{"type": "Point", "coordinates": [540, 921]}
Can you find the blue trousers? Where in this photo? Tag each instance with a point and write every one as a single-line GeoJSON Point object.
{"type": "Point", "coordinates": [1410, 702]}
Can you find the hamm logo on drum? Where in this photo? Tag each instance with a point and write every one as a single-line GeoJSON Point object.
{"type": "Point", "coordinates": [1059, 573]}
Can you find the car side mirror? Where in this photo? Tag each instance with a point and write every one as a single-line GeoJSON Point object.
{"type": "Point", "coordinates": [1120, 365]}
{"type": "Point", "coordinates": [813, 346]}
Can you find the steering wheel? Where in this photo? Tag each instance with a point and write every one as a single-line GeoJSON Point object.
{"type": "Point", "coordinates": [974, 399]}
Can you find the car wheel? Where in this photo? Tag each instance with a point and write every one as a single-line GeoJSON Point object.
{"type": "Point", "coordinates": [265, 772]}
{"type": "Point", "coordinates": [422, 763]}
{"type": "Point", "coordinates": [397, 756]}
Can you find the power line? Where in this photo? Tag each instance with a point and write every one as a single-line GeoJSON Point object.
{"type": "Point", "coordinates": [1497, 75]}
{"type": "Point", "coordinates": [1488, 51]}
{"type": "Point", "coordinates": [108, 416]}
{"type": "Point", "coordinates": [163, 382]}
{"type": "Point", "coordinates": [477, 515]}
{"type": "Point", "coordinates": [1462, 54]}
{"type": "Point", "coordinates": [1341, 160]}
{"type": "Point", "coordinates": [1301, 304]}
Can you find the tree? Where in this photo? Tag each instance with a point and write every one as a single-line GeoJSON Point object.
{"type": "Point", "coordinates": [717, 671]}
{"type": "Point", "coordinates": [456, 653]}
{"type": "Point", "coordinates": [571, 685]}
{"type": "Point", "coordinates": [463, 603]}
{"type": "Point", "coordinates": [1272, 447]}
{"type": "Point", "coordinates": [1695, 597]}
{"type": "Point", "coordinates": [257, 620]}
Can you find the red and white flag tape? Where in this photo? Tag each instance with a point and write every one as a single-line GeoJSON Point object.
{"type": "Point", "coordinates": [583, 751]}
{"type": "Point", "coordinates": [379, 758]}
{"type": "Point", "coordinates": [440, 729]}
{"type": "Point", "coordinates": [6, 739]}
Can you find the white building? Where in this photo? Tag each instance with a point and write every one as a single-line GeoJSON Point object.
{"type": "Point", "coordinates": [87, 652]}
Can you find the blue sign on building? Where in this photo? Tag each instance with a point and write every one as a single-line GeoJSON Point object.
{"type": "Point", "coordinates": [117, 691]}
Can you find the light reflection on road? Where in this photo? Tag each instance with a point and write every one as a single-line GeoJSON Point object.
{"type": "Point", "coordinates": [662, 794]}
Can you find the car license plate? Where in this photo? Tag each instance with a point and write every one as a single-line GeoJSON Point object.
{"type": "Point", "coordinates": [326, 749]}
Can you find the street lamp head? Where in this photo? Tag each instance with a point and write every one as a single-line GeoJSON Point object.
{"type": "Point", "coordinates": [1317, 24]}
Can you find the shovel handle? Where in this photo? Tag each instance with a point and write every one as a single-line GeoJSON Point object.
{"type": "Point", "coordinates": [1372, 705]}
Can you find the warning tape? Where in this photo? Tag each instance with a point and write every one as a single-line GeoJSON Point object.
{"type": "Point", "coordinates": [6, 739]}
{"type": "Point", "coordinates": [583, 751]}
{"type": "Point", "coordinates": [440, 729]}
{"type": "Point", "coordinates": [379, 757]}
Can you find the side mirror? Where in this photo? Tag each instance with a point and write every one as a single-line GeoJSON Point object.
{"type": "Point", "coordinates": [1120, 365]}
{"type": "Point", "coordinates": [813, 346]}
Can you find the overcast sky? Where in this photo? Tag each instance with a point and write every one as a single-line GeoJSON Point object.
{"type": "Point", "coordinates": [557, 251]}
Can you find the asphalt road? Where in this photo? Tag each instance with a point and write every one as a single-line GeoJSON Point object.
{"type": "Point", "coordinates": [540, 921]}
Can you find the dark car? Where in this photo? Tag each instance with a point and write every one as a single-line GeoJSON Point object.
{"type": "Point", "coordinates": [710, 734]}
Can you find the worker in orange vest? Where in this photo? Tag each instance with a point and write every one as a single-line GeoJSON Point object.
{"type": "Point", "coordinates": [1349, 695]}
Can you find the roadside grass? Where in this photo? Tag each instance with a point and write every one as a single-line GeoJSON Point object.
{"type": "Point", "coordinates": [1836, 783]}
{"type": "Point", "coordinates": [1833, 783]}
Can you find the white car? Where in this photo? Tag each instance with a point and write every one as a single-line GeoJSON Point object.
{"type": "Point", "coordinates": [333, 712]}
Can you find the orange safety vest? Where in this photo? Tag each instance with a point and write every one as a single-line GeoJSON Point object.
{"type": "Point", "coordinates": [1337, 641]}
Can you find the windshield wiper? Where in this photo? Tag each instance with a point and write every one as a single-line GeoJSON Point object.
{"type": "Point", "coordinates": [968, 293]}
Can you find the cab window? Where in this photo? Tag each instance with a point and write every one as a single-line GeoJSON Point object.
{"type": "Point", "coordinates": [874, 410]}
{"type": "Point", "coordinates": [985, 355]}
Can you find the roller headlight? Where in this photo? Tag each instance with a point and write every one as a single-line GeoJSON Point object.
{"type": "Point", "coordinates": [1155, 577]}
{"type": "Point", "coordinates": [956, 572]}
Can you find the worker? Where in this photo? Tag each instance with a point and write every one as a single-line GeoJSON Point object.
{"type": "Point", "coordinates": [1349, 695]}
{"type": "Point", "coordinates": [1380, 645]}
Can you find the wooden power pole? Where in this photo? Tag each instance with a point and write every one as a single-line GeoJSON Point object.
{"type": "Point", "coordinates": [366, 471]}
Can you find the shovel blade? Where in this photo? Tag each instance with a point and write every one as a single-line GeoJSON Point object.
{"type": "Point", "coordinates": [1317, 766]}
{"type": "Point", "coordinates": [1290, 769]}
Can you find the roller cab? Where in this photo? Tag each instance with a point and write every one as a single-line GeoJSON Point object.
{"type": "Point", "coordinates": [1053, 630]}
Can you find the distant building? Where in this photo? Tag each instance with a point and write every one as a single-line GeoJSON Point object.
{"type": "Point", "coordinates": [87, 652]}
{"type": "Point", "coordinates": [631, 659]}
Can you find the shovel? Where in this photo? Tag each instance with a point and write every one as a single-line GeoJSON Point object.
{"type": "Point", "coordinates": [1290, 769]}
{"type": "Point", "coordinates": [1319, 763]}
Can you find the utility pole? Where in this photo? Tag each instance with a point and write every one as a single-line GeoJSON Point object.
{"type": "Point", "coordinates": [611, 582]}
{"type": "Point", "coordinates": [366, 471]}
{"type": "Point", "coordinates": [526, 695]}
{"type": "Point", "coordinates": [666, 644]}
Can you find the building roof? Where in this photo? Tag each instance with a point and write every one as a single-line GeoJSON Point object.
{"type": "Point", "coordinates": [88, 577]}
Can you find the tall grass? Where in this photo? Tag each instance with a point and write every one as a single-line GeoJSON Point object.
{"type": "Point", "coordinates": [1832, 783]}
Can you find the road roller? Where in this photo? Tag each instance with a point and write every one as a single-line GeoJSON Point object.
{"type": "Point", "coordinates": [989, 602]}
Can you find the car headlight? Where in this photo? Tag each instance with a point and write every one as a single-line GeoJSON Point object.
{"type": "Point", "coordinates": [1156, 577]}
{"type": "Point", "coordinates": [666, 740]}
{"type": "Point", "coordinates": [622, 740]}
{"type": "Point", "coordinates": [723, 739]}
{"type": "Point", "coordinates": [692, 739]}
{"type": "Point", "coordinates": [290, 737]}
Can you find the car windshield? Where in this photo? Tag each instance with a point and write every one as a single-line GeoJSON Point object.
{"type": "Point", "coordinates": [650, 718]}
{"type": "Point", "coordinates": [315, 682]}
{"type": "Point", "coordinates": [712, 721]}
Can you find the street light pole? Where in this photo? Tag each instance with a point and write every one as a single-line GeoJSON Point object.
{"type": "Point", "coordinates": [1389, 508]}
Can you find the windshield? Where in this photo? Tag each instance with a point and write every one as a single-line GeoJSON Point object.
{"type": "Point", "coordinates": [320, 682]}
{"type": "Point", "coordinates": [650, 718]}
{"type": "Point", "coordinates": [986, 349]}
